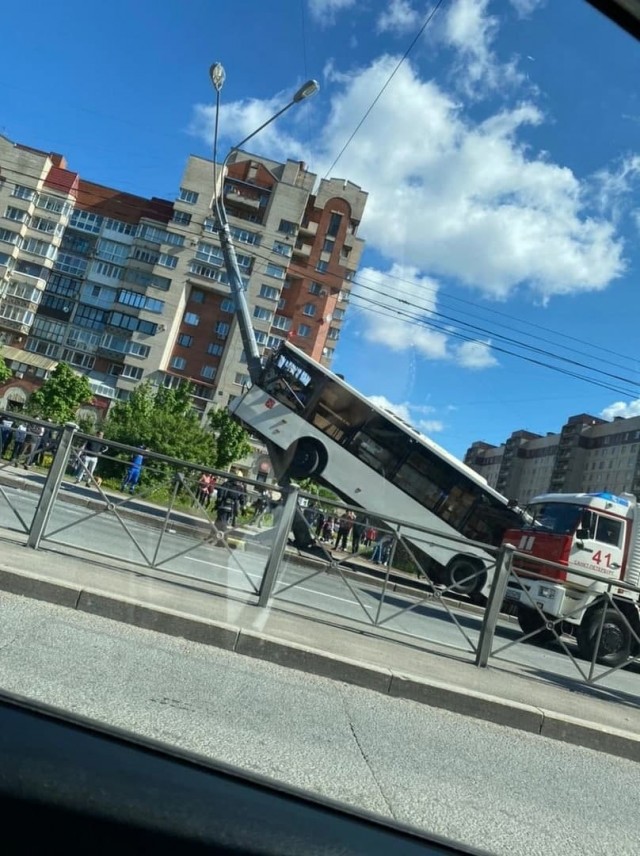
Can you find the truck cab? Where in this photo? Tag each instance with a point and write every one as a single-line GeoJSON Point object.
{"type": "Point", "coordinates": [594, 533]}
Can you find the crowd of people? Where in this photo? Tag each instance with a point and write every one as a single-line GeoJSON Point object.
{"type": "Point", "coordinates": [348, 532]}
{"type": "Point", "coordinates": [25, 444]}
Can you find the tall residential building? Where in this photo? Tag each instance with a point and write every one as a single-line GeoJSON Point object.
{"type": "Point", "coordinates": [588, 454]}
{"type": "Point", "coordinates": [126, 288]}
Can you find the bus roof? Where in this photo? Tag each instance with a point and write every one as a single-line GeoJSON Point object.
{"type": "Point", "coordinates": [421, 438]}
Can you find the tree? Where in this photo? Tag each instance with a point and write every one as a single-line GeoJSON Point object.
{"type": "Point", "coordinates": [60, 396]}
{"type": "Point", "coordinates": [232, 441]}
{"type": "Point", "coordinates": [164, 421]}
{"type": "Point", "coordinates": [5, 371]}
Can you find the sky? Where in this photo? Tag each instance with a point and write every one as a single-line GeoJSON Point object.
{"type": "Point", "coordinates": [499, 145]}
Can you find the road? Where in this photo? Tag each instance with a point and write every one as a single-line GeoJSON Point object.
{"type": "Point", "coordinates": [297, 586]}
{"type": "Point", "coordinates": [507, 791]}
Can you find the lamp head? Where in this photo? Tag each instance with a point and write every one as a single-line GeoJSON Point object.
{"type": "Point", "coordinates": [217, 75]}
{"type": "Point", "coordinates": [306, 90]}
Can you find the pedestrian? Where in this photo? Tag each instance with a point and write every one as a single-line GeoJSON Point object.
{"type": "Point", "coordinates": [6, 433]}
{"type": "Point", "coordinates": [327, 528]}
{"type": "Point", "coordinates": [345, 524]}
{"type": "Point", "coordinates": [382, 549]}
{"type": "Point", "coordinates": [35, 449]}
{"type": "Point", "coordinates": [356, 534]}
{"type": "Point", "coordinates": [230, 501]}
{"type": "Point", "coordinates": [134, 471]}
{"type": "Point", "coordinates": [19, 441]}
{"type": "Point", "coordinates": [89, 454]}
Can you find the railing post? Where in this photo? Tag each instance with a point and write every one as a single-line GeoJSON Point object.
{"type": "Point", "coordinates": [504, 562]}
{"type": "Point", "coordinates": [279, 545]}
{"type": "Point", "coordinates": [51, 485]}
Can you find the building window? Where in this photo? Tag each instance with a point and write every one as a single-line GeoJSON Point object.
{"type": "Point", "coordinates": [338, 314]}
{"type": "Point", "coordinates": [196, 296]}
{"type": "Point", "coordinates": [322, 267]}
{"type": "Point", "coordinates": [287, 227]}
{"type": "Point", "coordinates": [334, 225]}
{"type": "Point", "coordinates": [185, 341]}
{"type": "Point", "coordinates": [315, 288]}
{"type": "Point", "coordinates": [178, 363]}
{"type": "Point", "coordinates": [281, 322]}
{"type": "Point", "coordinates": [141, 277]}
{"type": "Point", "coordinates": [119, 227]}
{"type": "Point", "coordinates": [88, 316]}
{"type": "Point", "coordinates": [155, 235]}
{"type": "Point", "coordinates": [22, 192]}
{"type": "Point", "coordinates": [275, 270]}
{"type": "Point", "coordinates": [227, 305]}
{"type": "Point", "coordinates": [214, 349]}
{"type": "Point", "coordinates": [191, 318]}
{"type": "Point", "coordinates": [53, 203]}
{"type": "Point", "coordinates": [167, 260]}
{"type": "Point", "coordinates": [18, 215]}
{"type": "Point", "coordinates": [241, 379]}
{"type": "Point", "coordinates": [181, 218]}
{"type": "Point", "coordinates": [261, 337]}
{"type": "Point", "coordinates": [262, 313]}
{"type": "Point", "coordinates": [274, 342]}
{"type": "Point", "coordinates": [39, 248]}
{"type": "Point", "coordinates": [112, 251]}
{"type": "Point", "coordinates": [334, 333]}
{"type": "Point", "coordinates": [50, 227]}
{"type": "Point", "coordinates": [137, 349]}
{"type": "Point", "coordinates": [105, 269]}
{"type": "Point", "coordinates": [309, 309]}
{"type": "Point", "coordinates": [281, 249]}
{"type": "Point", "coordinates": [282, 303]}
{"type": "Point", "coordinates": [132, 372]}
{"type": "Point", "coordinates": [328, 245]}
{"type": "Point", "coordinates": [189, 196]}
{"type": "Point", "coordinates": [269, 292]}
{"type": "Point", "coordinates": [304, 330]}
{"type": "Point", "coordinates": [77, 358]}
{"type": "Point", "coordinates": [10, 237]}
{"type": "Point", "coordinates": [208, 372]}
{"type": "Point", "coordinates": [222, 329]}
{"type": "Point", "coordinates": [86, 221]}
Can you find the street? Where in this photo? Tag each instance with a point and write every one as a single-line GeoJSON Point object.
{"type": "Point", "coordinates": [297, 586]}
{"type": "Point", "coordinates": [504, 790]}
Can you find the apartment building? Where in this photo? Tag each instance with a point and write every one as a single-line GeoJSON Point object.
{"type": "Point", "coordinates": [588, 454]}
{"type": "Point", "coordinates": [126, 288]}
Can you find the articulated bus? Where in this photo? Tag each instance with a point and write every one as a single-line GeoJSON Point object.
{"type": "Point", "coordinates": [328, 431]}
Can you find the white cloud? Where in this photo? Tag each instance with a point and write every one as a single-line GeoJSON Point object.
{"type": "Point", "coordinates": [449, 197]}
{"type": "Point", "coordinates": [471, 31]}
{"type": "Point", "coordinates": [524, 8]}
{"type": "Point", "coordinates": [622, 408]}
{"type": "Point", "coordinates": [408, 412]}
{"type": "Point", "coordinates": [613, 185]}
{"type": "Point", "coordinates": [475, 355]}
{"type": "Point", "coordinates": [324, 11]}
{"type": "Point", "coordinates": [399, 17]}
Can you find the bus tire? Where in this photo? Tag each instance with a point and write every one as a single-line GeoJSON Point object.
{"type": "Point", "coordinates": [616, 641]}
{"type": "Point", "coordinates": [464, 576]}
{"type": "Point", "coordinates": [531, 621]}
{"type": "Point", "coordinates": [309, 459]}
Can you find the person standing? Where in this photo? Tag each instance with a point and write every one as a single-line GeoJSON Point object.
{"type": "Point", "coordinates": [356, 534]}
{"type": "Point", "coordinates": [345, 525]}
{"type": "Point", "coordinates": [35, 450]}
{"type": "Point", "coordinates": [230, 501]}
{"type": "Point", "coordinates": [133, 473]}
{"type": "Point", "coordinates": [91, 450]}
{"type": "Point", "coordinates": [19, 441]}
{"type": "Point", "coordinates": [6, 431]}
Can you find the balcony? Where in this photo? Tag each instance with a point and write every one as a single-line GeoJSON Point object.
{"type": "Point", "coordinates": [301, 249]}
{"type": "Point", "coordinates": [243, 198]}
{"type": "Point", "coordinates": [309, 228]}
{"type": "Point", "coordinates": [27, 279]}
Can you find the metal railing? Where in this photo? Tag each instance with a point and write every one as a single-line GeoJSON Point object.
{"type": "Point", "coordinates": [270, 550]}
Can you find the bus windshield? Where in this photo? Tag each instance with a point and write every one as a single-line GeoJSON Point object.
{"type": "Point", "coordinates": [558, 518]}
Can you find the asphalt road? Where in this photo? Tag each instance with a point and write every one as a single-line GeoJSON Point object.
{"type": "Point", "coordinates": [297, 586]}
{"type": "Point", "coordinates": [504, 790]}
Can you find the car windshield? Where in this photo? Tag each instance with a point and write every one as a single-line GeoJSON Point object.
{"type": "Point", "coordinates": [558, 518]}
{"type": "Point", "coordinates": [305, 306]}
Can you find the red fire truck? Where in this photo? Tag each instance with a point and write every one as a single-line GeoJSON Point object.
{"type": "Point", "coordinates": [592, 532]}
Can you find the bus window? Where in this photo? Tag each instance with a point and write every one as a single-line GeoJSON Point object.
{"type": "Point", "coordinates": [422, 478]}
{"type": "Point", "coordinates": [291, 381]}
{"type": "Point", "coordinates": [456, 506]}
{"type": "Point", "coordinates": [338, 412]}
{"type": "Point", "coordinates": [488, 520]}
{"type": "Point", "coordinates": [381, 444]}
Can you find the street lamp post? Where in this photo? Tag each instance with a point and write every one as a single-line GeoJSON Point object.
{"type": "Point", "coordinates": [252, 353]}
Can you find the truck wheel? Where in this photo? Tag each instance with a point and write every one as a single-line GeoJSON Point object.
{"type": "Point", "coordinates": [309, 459]}
{"type": "Point", "coordinates": [464, 576]}
{"type": "Point", "coordinates": [615, 642]}
{"type": "Point", "coordinates": [530, 620]}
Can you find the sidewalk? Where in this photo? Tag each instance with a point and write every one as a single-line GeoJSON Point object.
{"type": "Point", "coordinates": [504, 693]}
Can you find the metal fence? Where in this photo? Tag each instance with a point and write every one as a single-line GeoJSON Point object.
{"type": "Point", "coordinates": [273, 550]}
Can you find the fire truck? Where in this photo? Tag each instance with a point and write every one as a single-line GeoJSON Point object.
{"type": "Point", "coordinates": [594, 532]}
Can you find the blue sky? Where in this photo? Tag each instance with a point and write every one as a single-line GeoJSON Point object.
{"type": "Point", "coordinates": [502, 162]}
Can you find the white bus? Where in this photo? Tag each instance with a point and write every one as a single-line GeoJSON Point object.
{"type": "Point", "coordinates": [327, 430]}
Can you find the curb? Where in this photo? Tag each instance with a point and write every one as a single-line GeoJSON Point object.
{"type": "Point", "coordinates": [303, 658]}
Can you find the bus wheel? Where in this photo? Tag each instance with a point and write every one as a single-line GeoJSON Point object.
{"type": "Point", "coordinates": [308, 460]}
{"type": "Point", "coordinates": [464, 576]}
{"type": "Point", "coordinates": [531, 621]}
{"type": "Point", "coordinates": [615, 641]}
